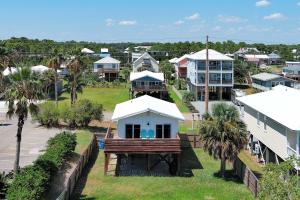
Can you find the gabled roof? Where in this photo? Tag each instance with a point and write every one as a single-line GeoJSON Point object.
{"type": "Point", "coordinates": [182, 58]}
{"type": "Point", "coordinates": [173, 60]}
{"type": "Point", "coordinates": [265, 76]}
{"type": "Point", "coordinates": [280, 104]}
{"type": "Point", "coordinates": [39, 68]}
{"type": "Point", "coordinates": [107, 60]}
{"type": "Point", "coordinates": [138, 75]}
{"type": "Point", "coordinates": [145, 55]}
{"type": "Point", "coordinates": [274, 55]}
{"type": "Point", "coordinates": [86, 50]}
{"type": "Point", "coordinates": [212, 55]}
{"type": "Point", "coordinates": [146, 104]}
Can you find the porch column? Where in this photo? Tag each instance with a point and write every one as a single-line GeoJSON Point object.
{"type": "Point", "coordinates": [267, 155]}
{"type": "Point", "coordinates": [220, 93]}
{"type": "Point", "coordinates": [106, 161]}
{"type": "Point", "coordinates": [178, 164]}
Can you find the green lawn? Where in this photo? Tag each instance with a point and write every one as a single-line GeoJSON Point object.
{"type": "Point", "coordinates": [187, 127]}
{"type": "Point", "coordinates": [83, 140]}
{"type": "Point", "coordinates": [203, 185]}
{"type": "Point", "coordinates": [177, 101]}
{"type": "Point", "coordinates": [108, 97]}
{"type": "Point", "coordinates": [254, 166]}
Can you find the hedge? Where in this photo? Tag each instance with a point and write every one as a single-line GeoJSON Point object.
{"type": "Point", "coordinates": [32, 181]}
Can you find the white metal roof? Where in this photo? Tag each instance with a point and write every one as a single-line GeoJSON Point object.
{"type": "Point", "coordinates": [146, 104]}
{"type": "Point", "coordinates": [292, 62]}
{"type": "Point", "coordinates": [138, 75]}
{"type": "Point", "coordinates": [173, 60]}
{"type": "Point", "coordinates": [108, 60]}
{"type": "Point", "coordinates": [7, 71]}
{"type": "Point", "coordinates": [86, 50]}
{"type": "Point", "coordinates": [265, 76]}
{"type": "Point", "coordinates": [280, 104]}
{"type": "Point", "coordinates": [253, 56]}
{"type": "Point", "coordinates": [39, 68]}
{"type": "Point", "coordinates": [104, 50]}
{"type": "Point", "coordinates": [212, 55]}
{"type": "Point", "coordinates": [182, 58]}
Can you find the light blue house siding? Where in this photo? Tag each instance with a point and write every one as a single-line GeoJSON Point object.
{"type": "Point", "coordinates": [267, 85]}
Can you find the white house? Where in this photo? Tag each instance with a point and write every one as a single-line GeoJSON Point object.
{"type": "Point", "coordinates": [87, 51]}
{"type": "Point", "coordinates": [220, 77]}
{"type": "Point", "coordinates": [108, 67]}
{"type": "Point", "coordinates": [259, 59]}
{"type": "Point", "coordinates": [147, 117]}
{"type": "Point", "coordinates": [272, 119]}
{"type": "Point", "coordinates": [145, 62]}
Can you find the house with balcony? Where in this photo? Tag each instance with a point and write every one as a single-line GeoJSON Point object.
{"type": "Point", "coordinates": [147, 82]}
{"type": "Point", "coordinates": [145, 126]}
{"type": "Point", "coordinates": [108, 68]}
{"type": "Point", "coordinates": [145, 62]}
{"type": "Point", "coordinates": [265, 81]}
{"type": "Point", "coordinates": [291, 70]}
{"type": "Point", "coordinates": [220, 78]}
{"type": "Point", "coordinates": [180, 66]}
{"type": "Point", "coordinates": [272, 119]}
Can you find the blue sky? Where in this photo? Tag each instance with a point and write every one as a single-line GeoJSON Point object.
{"type": "Point", "coordinates": [267, 21]}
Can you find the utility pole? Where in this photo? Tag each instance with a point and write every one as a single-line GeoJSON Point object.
{"type": "Point", "coordinates": [206, 77]}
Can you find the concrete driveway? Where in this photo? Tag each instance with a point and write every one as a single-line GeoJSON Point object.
{"type": "Point", "coordinates": [34, 140]}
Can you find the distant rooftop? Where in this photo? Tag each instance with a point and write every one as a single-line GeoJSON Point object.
{"type": "Point", "coordinates": [265, 76]}
{"type": "Point", "coordinates": [212, 55]}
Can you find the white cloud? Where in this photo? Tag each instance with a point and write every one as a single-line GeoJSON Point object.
{"type": "Point", "coordinates": [127, 22]}
{"type": "Point", "coordinates": [262, 3]}
{"type": "Point", "coordinates": [274, 16]}
{"type": "Point", "coordinates": [179, 22]}
{"type": "Point", "coordinates": [110, 22]}
{"type": "Point", "coordinates": [230, 19]}
{"type": "Point", "coordinates": [192, 17]}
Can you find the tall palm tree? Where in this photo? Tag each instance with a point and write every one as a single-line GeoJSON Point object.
{"type": "Point", "coordinates": [224, 134]}
{"type": "Point", "coordinates": [54, 64]}
{"type": "Point", "coordinates": [23, 90]}
{"type": "Point", "coordinates": [75, 70]}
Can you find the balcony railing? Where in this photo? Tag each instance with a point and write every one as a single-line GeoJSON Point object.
{"type": "Point", "coordinates": [149, 87]}
{"type": "Point", "coordinates": [292, 152]}
{"type": "Point", "coordinates": [137, 145]}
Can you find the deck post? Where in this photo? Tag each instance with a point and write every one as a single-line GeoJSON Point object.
{"type": "Point", "coordinates": [106, 159]}
{"type": "Point", "coordinates": [251, 144]}
{"type": "Point", "coordinates": [178, 164]}
{"type": "Point", "coordinates": [148, 162]}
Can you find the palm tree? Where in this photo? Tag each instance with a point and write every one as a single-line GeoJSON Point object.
{"type": "Point", "coordinates": [23, 90]}
{"type": "Point", "coordinates": [79, 86]}
{"type": "Point", "coordinates": [75, 69]}
{"type": "Point", "coordinates": [223, 134]}
{"type": "Point", "coordinates": [54, 64]}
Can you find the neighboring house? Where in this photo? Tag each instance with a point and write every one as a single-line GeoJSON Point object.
{"type": "Point", "coordinates": [104, 52]}
{"type": "Point", "coordinates": [108, 68]}
{"type": "Point", "coordinates": [173, 60]}
{"type": "Point", "coordinates": [265, 81]}
{"type": "Point", "coordinates": [259, 60]}
{"type": "Point", "coordinates": [246, 50]}
{"type": "Point", "coordinates": [220, 77]}
{"type": "Point", "coordinates": [135, 56]}
{"type": "Point", "coordinates": [272, 119]}
{"type": "Point", "coordinates": [292, 70]}
{"type": "Point", "coordinates": [274, 58]}
{"type": "Point", "coordinates": [145, 62]}
{"type": "Point", "coordinates": [181, 66]}
{"type": "Point", "coordinates": [63, 70]}
{"type": "Point", "coordinates": [87, 51]}
{"type": "Point", "coordinates": [147, 82]}
{"type": "Point", "coordinates": [146, 126]}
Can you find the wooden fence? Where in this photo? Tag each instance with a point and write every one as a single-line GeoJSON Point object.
{"type": "Point", "coordinates": [247, 176]}
{"type": "Point", "coordinates": [90, 151]}
{"type": "Point", "coordinates": [190, 141]}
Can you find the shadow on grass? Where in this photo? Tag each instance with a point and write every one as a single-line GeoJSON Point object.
{"type": "Point", "coordinates": [229, 176]}
{"type": "Point", "coordinates": [80, 185]}
{"type": "Point", "coordinates": [5, 124]}
{"type": "Point", "coordinates": [189, 162]}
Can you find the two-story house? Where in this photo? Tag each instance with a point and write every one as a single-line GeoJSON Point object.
{"type": "Point", "coordinates": [145, 62]}
{"type": "Point", "coordinates": [147, 82]}
{"type": "Point", "coordinates": [272, 119]}
{"type": "Point", "coordinates": [108, 68]}
{"type": "Point", "coordinates": [220, 78]}
{"type": "Point", "coordinates": [181, 66]}
{"type": "Point", "coordinates": [145, 126]}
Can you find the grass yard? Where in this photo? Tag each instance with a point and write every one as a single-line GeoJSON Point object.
{"type": "Point", "coordinates": [248, 160]}
{"type": "Point", "coordinates": [203, 185]}
{"type": "Point", "coordinates": [108, 97]}
{"type": "Point", "coordinates": [83, 140]}
{"type": "Point", "coordinates": [177, 101]}
{"type": "Point", "coordinates": [186, 127]}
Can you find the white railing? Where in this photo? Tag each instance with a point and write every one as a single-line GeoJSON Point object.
{"type": "Point", "coordinates": [292, 152]}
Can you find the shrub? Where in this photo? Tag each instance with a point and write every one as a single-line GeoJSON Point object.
{"type": "Point", "coordinates": [3, 185]}
{"type": "Point", "coordinates": [187, 97]}
{"type": "Point", "coordinates": [48, 114]}
{"type": "Point", "coordinates": [33, 181]}
{"type": "Point", "coordinates": [82, 112]}
{"type": "Point", "coordinates": [30, 183]}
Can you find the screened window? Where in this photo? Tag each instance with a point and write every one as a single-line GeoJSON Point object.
{"type": "Point", "coordinates": [100, 66]}
{"type": "Point", "coordinates": [137, 131]}
{"type": "Point", "coordinates": [128, 130]}
{"type": "Point", "coordinates": [163, 131]}
{"type": "Point", "coordinates": [159, 131]}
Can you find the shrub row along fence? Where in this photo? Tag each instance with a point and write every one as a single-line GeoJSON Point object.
{"type": "Point", "coordinates": [89, 152]}
{"type": "Point", "coordinates": [240, 168]}
{"type": "Point", "coordinates": [247, 176]}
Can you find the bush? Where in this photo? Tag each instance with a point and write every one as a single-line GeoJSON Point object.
{"type": "Point", "coordinates": [33, 181]}
{"type": "Point", "coordinates": [30, 183]}
{"type": "Point", "coordinates": [81, 113]}
{"type": "Point", "coordinates": [3, 185]}
{"type": "Point", "coordinates": [48, 114]}
{"type": "Point", "coordinates": [188, 97]}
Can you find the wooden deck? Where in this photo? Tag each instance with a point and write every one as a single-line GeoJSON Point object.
{"type": "Point", "coordinates": [141, 146]}
{"type": "Point", "coordinates": [154, 88]}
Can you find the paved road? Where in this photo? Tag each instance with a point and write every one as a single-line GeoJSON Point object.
{"type": "Point", "coordinates": [34, 139]}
